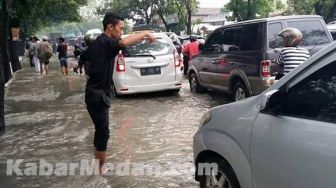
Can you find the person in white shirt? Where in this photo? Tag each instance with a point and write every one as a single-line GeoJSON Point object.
{"type": "Point", "coordinates": [34, 52]}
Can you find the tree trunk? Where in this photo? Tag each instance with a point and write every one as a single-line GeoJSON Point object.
{"type": "Point", "coordinates": [5, 73]}
{"type": "Point", "coordinates": [249, 11]}
{"type": "Point", "coordinates": [163, 20]}
{"type": "Point", "coordinates": [147, 17]}
{"type": "Point", "coordinates": [189, 22]}
{"type": "Point", "coordinates": [2, 95]}
{"type": "Point", "coordinates": [318, 8]}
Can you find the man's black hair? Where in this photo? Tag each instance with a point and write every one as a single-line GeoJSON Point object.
{"type": "Point", "coordinates": [61, 39]}
{"type": "Point", "coordinates": [111, 18]}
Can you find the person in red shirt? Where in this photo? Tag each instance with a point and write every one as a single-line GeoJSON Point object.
{"type": "Point", "coordinates": [190, 50]}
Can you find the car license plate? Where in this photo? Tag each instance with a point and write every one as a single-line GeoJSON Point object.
{"type": "Point", "coordinates": [150, 71]}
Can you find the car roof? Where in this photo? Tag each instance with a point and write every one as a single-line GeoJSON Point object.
{"type": "Point", "coordinates": [276, 18]}
{"type": "Point", "coordinates": [156, 34]}
{"type": "Point", "coordinates": [188, 36]}
{"type": "Point", "coordinates": [332, 27]}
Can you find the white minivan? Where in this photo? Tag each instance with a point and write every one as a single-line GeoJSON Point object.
{"type": "Point", "coordinates": [147, 67]}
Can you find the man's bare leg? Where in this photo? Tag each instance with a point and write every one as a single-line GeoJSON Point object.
{"type": "Point", "coordinates": [63, 70]}
{"type": "Point", "coordinates": [43, 71]}
{"type": "Point", "coordinates": [101, 156]}
{"type": "Point", "coordinates": [46, 68]}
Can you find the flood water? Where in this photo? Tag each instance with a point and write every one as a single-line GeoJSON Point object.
{"type": "Point", "coordinates": [46, 119]}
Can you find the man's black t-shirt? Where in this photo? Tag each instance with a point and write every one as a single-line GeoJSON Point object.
{"type": "Point", "coordinates": [100, 54]}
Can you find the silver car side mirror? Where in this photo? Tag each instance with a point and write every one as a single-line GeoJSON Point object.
{"type": "Point", "coordinates": [265, 99]}
{"type": "Point", "coordinates": [273, 102]}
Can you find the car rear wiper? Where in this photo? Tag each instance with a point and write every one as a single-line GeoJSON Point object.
{"type": "Point", "coordinates": [144, 55]}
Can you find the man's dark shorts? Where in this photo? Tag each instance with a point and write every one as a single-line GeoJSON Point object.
{"type": "Point", "coordinates": [64, 62]}
{"type": "Point", "coordinates": [99, 113]}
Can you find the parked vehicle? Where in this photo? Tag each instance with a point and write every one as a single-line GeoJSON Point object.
{"type": "Point", "coordinates": [174, 38]}
{"type": "Point", "coordinates": [55, 36]}
{"type": "Point", "coordinates": [71, 45]}
{"type": "Point", "coordinates": [237, 58]}
{"type": "Point", "coordinates": [147, 67]}
{"type": "Point", "coordinates": [185, 39]}
{"type": "Point", "coordinates": [332, 29]}
{"type": "Point", "coordinates": [95, 32]}
{"type": "Point", "coordinates": [284, 137]}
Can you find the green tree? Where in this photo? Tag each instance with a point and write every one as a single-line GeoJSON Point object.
{"type": "Point", "coordinates": [140, 11]}
{"type": "Point", "coordinates": [143, 11]}
{"type": "Point", "coordinates": [34, 14]}
{"type": "Point", "coordinates": [183, 8]}
{"type": "Point", "coordinates": [251, 9]}
{"type": "Point", "coordinates": [324, 8]}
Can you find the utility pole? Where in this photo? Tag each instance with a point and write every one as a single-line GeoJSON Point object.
{"type": "Point", "coordinates": [5, 73]}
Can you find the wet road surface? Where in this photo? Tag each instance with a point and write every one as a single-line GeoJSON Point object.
{"type": "Point", "coordinates": [46, 119]}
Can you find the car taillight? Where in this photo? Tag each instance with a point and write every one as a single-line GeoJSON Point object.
{"type": "Point", "coordinates": [177, 59]}
{"type": "Point", "coordinates": [265, 67]}
{"type": "Point", "coordinates": [120, 63]}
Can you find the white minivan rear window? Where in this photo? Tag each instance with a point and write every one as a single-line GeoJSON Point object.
{"type": "Point", "coordinates": [160, 47]}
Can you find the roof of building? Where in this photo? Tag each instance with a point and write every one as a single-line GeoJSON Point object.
{"type": "Point", "coordinates": [208, 11]}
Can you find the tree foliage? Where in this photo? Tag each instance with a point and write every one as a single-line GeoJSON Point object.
{"type": "Point", "coordinates": [143, 11]}
{"type": "Point", "coordinates": [251, 9]}
{"type": "Point", "coordinates": [34, 14]}
{"type": "Point", "coordinates": [324, 8]}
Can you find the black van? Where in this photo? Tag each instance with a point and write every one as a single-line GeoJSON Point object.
{"type": "Point", "coordinates": [237, 58]}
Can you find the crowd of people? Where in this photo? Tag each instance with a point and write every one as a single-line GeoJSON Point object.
{"type": "Point", "coordinates": [40, 52]}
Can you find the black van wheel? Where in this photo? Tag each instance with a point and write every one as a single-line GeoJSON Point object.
{"type": "Point", "coordinates": [223, 178]}
{"type": "Point", "coordinates": [114, 91]}
{"type": "Point", "coordinates": [194, 84]}
{"type": "Point", "coordinates": [239, 91]}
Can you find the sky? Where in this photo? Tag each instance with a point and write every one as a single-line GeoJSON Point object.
{"type": "Point", "coordinates": [212, 3]}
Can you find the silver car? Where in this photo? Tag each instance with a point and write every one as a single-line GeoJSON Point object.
{"type": "Point", "coordinates": [284, 137]}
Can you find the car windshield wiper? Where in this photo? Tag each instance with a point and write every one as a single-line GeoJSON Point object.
{"type": "Point", "coordinates": [144, 55]}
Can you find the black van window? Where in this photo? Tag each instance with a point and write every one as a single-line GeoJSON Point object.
{"type": "Point", "coordinates": [274, 40]}
{"type": "Point", "coordinates": [333, 34]}
{"type": "Point", "coordinates": [250, 40]}
{"type": "Point", "coordinates": [213, 43]}
{"type": "Point", "coordinates": [313, 32]}
{"type": "Point", "coordinates": [231, 40]}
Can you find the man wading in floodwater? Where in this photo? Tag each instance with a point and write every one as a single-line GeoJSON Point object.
{"type": "Point", "coordinates": [101, 54]}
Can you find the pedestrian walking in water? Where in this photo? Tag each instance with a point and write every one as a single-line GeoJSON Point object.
{"type": "Point", "coordinates": [190, 50]}
{"type": "Point", "coordinates": [34, 52]}
{"type": "Point", "coordinates": [30, 52]}
{"type": "Point", "coordinates": [54, 46]}
{"type": "Point", "coordinates": [62, 55]}
{"type": "Point", "coordinates": [44, 53]}
{"type": "Point", "coordinates": [101, 54]}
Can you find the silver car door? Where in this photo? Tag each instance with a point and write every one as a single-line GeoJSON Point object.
{"type": "Point", "coordinates": [297, 149]}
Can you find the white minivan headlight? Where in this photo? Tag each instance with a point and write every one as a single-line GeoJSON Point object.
{"type": "Point", "coordinates": [205, 119]}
